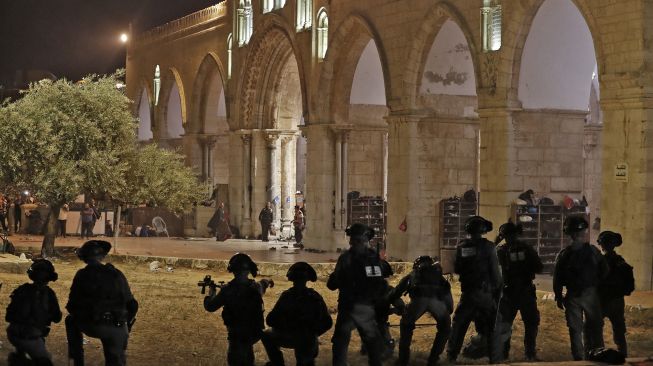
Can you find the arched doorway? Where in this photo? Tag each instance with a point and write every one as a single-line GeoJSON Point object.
{"type": "Point", "coordinates": [271, 109]}
{"type": "Point", "coordinates": [561, 120]}
{"type": "Point", "coordinates": [144, 117]}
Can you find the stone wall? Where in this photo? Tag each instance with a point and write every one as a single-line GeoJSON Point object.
{"type": "Point", "coordinates": [593, 151]}
{"type": "Point", "coordinates": [549, 152]}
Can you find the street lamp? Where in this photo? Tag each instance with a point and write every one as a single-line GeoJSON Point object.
{"type": "Point", "coordinates": [124, 38]}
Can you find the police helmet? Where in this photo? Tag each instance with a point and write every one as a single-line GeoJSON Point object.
{"type": "Point", "coordinates": [93, 248]}
{"type": "Point", "coordinates": [510, 229]}
{"type": "Point", "coordinates": [478, 224]}
{"type": "Point", "coordinates": [422, 260]}
{"type": "Point", "coordinates": [609, 238]}
{"type": "Point", "coordinates": [574, 224]}
{"type": "Point", "coordinates": [42, 270]}
{"type": "Point", "coordinates": [359, 229]}
{"type": "Point", "coordinates": [301, 270]}
{"type": "Point", "coordinates": [240, 262]}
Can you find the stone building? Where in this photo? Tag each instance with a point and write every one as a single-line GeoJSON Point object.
{"type": "Point", "coordinates": [412, 100]}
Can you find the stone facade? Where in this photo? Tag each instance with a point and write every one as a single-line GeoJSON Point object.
{"type": "Point", "coordinates": [441, 139]}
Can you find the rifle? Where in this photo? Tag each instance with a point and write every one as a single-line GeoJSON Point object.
{"type": "Point", "coordinates": [208, 282]}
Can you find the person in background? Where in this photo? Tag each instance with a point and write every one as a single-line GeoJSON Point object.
{"type": "Point", "coordinates": [4, 210]}
{"type": "Point", "coordinates": [18, 202]}
{"type": "Point", "coordinates": [62, 218]}
{"type": "Point", "coordinates": [299, 223]}
{"type": "Point", "coordinates": [88, 219]}
{"type": "Point", "coordinates": [265, 217]}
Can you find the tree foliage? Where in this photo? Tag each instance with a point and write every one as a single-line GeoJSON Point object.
{"type": "Point", "coordinates": [62, 139]}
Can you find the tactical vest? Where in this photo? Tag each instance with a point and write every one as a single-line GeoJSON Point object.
{"type": "Point", "coordinates": [243, 308]}
{"type": "Point", "coordinates": [472, 264]}
{"type": "Point", "coordinates": [579, 268]}
{"type": "Point", "coordinates": [515, 265]}
{"type": "Point", "coordinates": [426, 282]}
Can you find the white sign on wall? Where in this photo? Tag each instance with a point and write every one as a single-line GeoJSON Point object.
{"type": "Point", "coordinates": [621, 172]}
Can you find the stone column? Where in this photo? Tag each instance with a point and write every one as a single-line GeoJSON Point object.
{"type": "Point", "coordinates": [288, 180]}
{"type": "Point", "coordinates": [498, 183]}
{"type": "Point", "coordinates": [274, 184]}
{"type": "Point", "coordinates": [208, 143]}
{"type": "Point", "coordinates": [626, 197]}
{"type": "Point", "coordinates": [247, 184]}
{"type": "Point", "coordinates": [403, 187]}
{"type": "Point", "coordinates": [345, 176]}
{"type": "Point", "coordinates": [385, 166]}
{"type": "Point", "coordinates": [339, 210]}
{"type": "Point", "coordinates": [192, 148]}
{"type": "Point", "coordinates": [320, 187]}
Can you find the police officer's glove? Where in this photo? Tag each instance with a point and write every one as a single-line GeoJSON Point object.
{"type": "Point", "coordinates": [212, 291]}
{"type": "Point", "coordinates": [560, 304]}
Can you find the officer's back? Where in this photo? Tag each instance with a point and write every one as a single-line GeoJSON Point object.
{"type": "Point", "coordinates": [474, 264]}
{"type": "Point", "coordinates": [359, 276]}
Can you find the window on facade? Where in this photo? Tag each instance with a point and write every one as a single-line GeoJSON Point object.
{"type": "Point", "coordinates": [304, 14]}
{"type": "Point", "coordinates": [491, 25]}
{"type": "Point", "coordinates": [157, 84]}
{"type": "Point", "coordinates": [230, 41]}
{"type": "Point", "coordinates": [322, 33]}
{"type": "Point", "coordinates": [244, 22]}
{"type": "Point", "coordinates": [269, 5]}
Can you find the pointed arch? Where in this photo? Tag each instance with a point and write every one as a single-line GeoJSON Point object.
{"type": "Point", "coordinates": [524, 29]}
{"type": "Point", "coordinates": [345, 49]}
{"type": "Point", "coordinates": [171, 83]}
{"type": "Point", "coordinates": [209, 93]}
{"type": "Point", "coordinates": [429, 29]}
{"type": "Point", "coordinates": [558, 59]}
{"type": "Point", "coordinates": [271, 48]}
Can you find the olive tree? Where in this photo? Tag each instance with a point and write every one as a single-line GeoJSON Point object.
{"type": "Point", "coordinates": [61, 139]}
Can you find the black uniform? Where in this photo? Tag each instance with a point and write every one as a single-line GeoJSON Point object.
{"type": "Point", "coordinates": [477, 265]}
{"type": "Point", "coordinates": [611, 294]}
{"type": "Point", "coordinates": [243, 317]}
{"type": "Point", "coordinates": [580, 268]}
{"type": "Point", "coordinates": [265, 217]}
{"type": "Point", "coordinates": [519, 264]}
{"type": "Point", "coordinates": [32, 309]}
{"type": "Point", "coordinates": [298, 318]}
{"type": "Point", "coordinates": [360, 279]}
{"type": "Point", "coordinates": [102, 306]}
{"type": "Point", "coordinates": [429, 292]}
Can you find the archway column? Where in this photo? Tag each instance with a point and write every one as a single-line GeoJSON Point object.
{"type": "Point", "coordinates": [498, 185]}
{"type": "Point", "coordinates": [627, 176]}
{"type": "Point", "coordinates": [274, 146]}
{"type": "Point", "coordinates": [288, 178]}
{"type": "Point", "coordinates": [245, 183]}
{"type": "Point", "coordinates": [192, 146]}
{"type": "Point", "coordinates": [341, 135]}
{"type": "Point", "coordinates": [430, 158]}
{"type": "Point", "coordinates": [320, 187]}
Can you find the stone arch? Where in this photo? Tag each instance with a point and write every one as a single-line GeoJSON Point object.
{"type": "Point", "coordinates": [558, 59]}
{"type": "Point", "coordinates": [209, 74]}
{"type": "Point", "coordinates": [269, 51]}
{"type": "Point", "coordinates": [429, 29]}
{"type": "Point", "coordinates": [143, 110]}
{"type": "Point", "coordinates": [518, 42]}
{"type": "Point", "coordinates": [339, 66]}
{"type": "Point", "coordinates": [171, 80]}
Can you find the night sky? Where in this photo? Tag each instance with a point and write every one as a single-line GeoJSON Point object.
{"type": "Point", "coordinates": [73, 38]}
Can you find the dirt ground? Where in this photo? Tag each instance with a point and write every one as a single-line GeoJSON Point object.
{"type": "Point", "coordinates": [172, 327]}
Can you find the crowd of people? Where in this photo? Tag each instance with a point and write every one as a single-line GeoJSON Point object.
{"type": "Point", "coordinates": [496, 281]}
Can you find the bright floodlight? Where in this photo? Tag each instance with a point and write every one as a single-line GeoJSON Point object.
{"type": "Point", "coordinates": [123, 38]}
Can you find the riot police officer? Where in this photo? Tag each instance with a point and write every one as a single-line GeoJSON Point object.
{"type": "Point", "coordinates": [519, 264]}
{"type": "Point", "coordinates": [243, 309]}
{"type": "Point", "coordinates": [33, 307]}
{"type": "Point", "coordinates": [101, 305]}
{"type": "Point", "coordinates": [579, 268]}
{"type": "Point", "coordinates": [429, 292]}
{"type": "Point", "coordinates": [360, 278]}
{"type": "Point", "coordinates": [298, 318]}
{"type": "Point", "coordinates": [619, 283]}
{"type": "Point", "coordinates": [477, 265]}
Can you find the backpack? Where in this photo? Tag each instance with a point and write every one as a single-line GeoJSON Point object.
{"type": "Point", "coordinates": [30, 305]}
{"type": "Point", "coordinates": [625, 274]}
